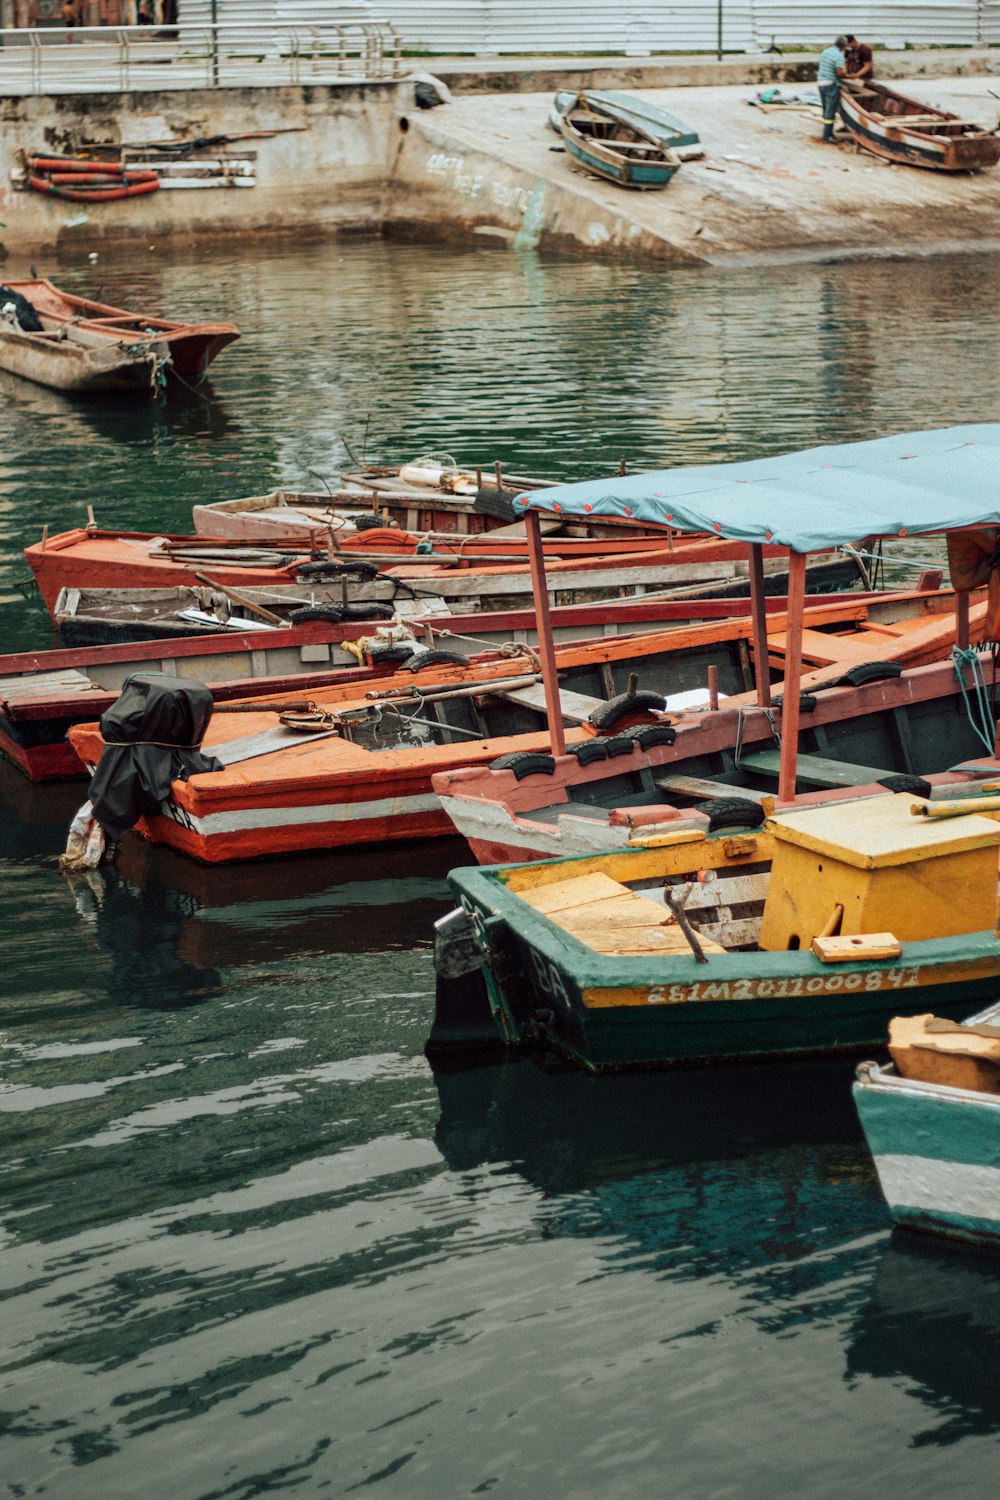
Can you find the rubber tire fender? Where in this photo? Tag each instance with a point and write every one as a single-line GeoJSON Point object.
{"type": "Point", "coordinates": [397, 652]}
{"type": "Point", "coordinates": [869, 671]}
{"type": "Point", "coordinates": [430, 658]}
{"type": "Point", "coordinates": [328, 612]}
{"type": "Point", "coordinates": [648, 735]}
{"type": "Point", "coordinates": [491, 501]}
{"type": "Point", "coordinates": [587, 751]}
{"type": "Point", "coordinates": [524, 763]}
{"type": "Point", "coordinates": [619, 744]}
{"type": "Point", "coordinates": [337, 568]}
{"type": "Point", "coordinates": [609, 714]}
{"type": "Point", "coordinates": [916, 786]}
{"type": "Point", "coordinates": [731, 812]}
{"type": "Point", "coordinates": [375, 609]}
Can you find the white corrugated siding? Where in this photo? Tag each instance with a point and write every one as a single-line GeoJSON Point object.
{"type": "Point", "coordinates": [602, 27]}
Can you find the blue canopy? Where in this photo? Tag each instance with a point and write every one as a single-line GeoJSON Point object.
{"type": "Point", "coordinates": [892, 486]}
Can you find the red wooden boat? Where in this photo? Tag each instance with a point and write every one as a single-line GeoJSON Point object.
{"type": "Point", "coordinates": [43, 693]}
{"type": "Point", "coordinates": [92, 558]}
{"type": "Point", "coordinates": [366, 778]}
{"type": "Point", "coordinates": [71, 323]}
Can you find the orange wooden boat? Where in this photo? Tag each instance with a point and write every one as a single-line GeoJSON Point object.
{"type": "Point", "coordinates": [92, 558]}
{"type": "Point", "coordinates": [366, 775]}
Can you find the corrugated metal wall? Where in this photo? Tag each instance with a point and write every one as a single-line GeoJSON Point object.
{"type": "Point", "coordinates": [602, 26]}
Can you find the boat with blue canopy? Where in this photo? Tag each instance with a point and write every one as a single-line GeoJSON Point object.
{"type": "Point", "coordinates": [811, 925]}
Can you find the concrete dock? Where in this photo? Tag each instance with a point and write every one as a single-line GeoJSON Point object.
{"type": "Point", "coordinates": [486, 168]}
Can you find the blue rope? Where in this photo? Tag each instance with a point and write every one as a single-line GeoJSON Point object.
{"type": "Point", "coordinates": [975, 696]}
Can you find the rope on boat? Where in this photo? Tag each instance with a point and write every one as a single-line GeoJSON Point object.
{"type": "Point", "coordinates": [742, 715]}
{"type": "Point", "coordinates": [975, 695]}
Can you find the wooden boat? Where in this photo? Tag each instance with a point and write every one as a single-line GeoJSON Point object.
{"type": "Point", "coordinates": [800, 936]}
{"type": "Point", "coordinates": [434, 496]}
{"type": "Point", "coordinates": [865, 719]}
{"type": "Point", "coordinates": [932, 1122]}
{"type": "Point", "coordinates": [613, 145]}
{"type": "Point", "coordinates": [666, 129]}
{"type": "Point", "coordinates": [89, 558]}
{"type": "Point", "coordinates": [88, 347]}
{"type": "Point", "coordinates": [369, 778]}
{"type": "Point", "coordinates": [42, 693]}
{"type": "Point", "coordinates": [904, 130]}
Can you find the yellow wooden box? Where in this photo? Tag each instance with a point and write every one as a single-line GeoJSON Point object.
{"type": "Point", "coordinates": [892, 872]}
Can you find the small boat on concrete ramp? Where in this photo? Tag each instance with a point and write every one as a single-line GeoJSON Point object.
{"type": "Point", "coordinates": [670, 132]}
{"type": "Point", "coordinates": [904, 130]}
{"type": "Point", "coordinates": [932, 1122]}
{"type": "Point", "coordinates": [614, 145]}
{"type": "Point", "coordinates": [84, 347]}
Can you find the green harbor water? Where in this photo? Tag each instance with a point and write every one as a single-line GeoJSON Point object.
{"type": "Point", "coordinates": [250, 1244]}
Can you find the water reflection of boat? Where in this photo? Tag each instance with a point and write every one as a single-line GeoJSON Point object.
{"type": "Point", "coordinates": [706, 1177]}
{"type": "Point", "coordinates": [933, 1320]}
{"type": "Point", "coordinates": [368, 902]}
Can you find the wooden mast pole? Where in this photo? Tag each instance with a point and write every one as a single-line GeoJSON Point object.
{"type": "Point", "coordinates": [546, 649]}
{"type": "Point", "coordinates": [962, 619]}
{"type": "Point", "coordinates": [793, 676]}
{"type": "Point", "coordinates": [758, 615]}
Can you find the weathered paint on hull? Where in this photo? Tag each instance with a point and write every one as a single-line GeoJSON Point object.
{"type": "Point", "coordinates": [916, 149]}
{"type": "Point", "coordinates": [937, 1154]}
{"type": "Point", "coordinates": [662, 1011]}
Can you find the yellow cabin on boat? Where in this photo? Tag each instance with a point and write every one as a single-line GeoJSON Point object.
{"type": "Point", "coordinates": [872, 867]}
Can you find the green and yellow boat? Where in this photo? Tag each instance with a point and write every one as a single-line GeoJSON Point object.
{"type": "Point", "coordinates": [799, 937]}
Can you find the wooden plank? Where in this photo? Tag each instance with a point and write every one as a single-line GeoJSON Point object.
{"type": "Point", "coordinates": [861, 946]}
{"type": "Point", "coordinates": [574, 707]}
{"type": "Point", "coordinates": [561, 895]}
{"type": "Point", "coordinates": [700, 786]}
{"type": "Point", "coordinates": [267, 742]}
{"type": "Point", "coordinates": [815, 769]}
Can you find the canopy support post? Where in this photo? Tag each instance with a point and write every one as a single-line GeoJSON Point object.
{"type": "Point", "coordinates": [758, 615]}
{"type": "Point", "coordinates": [546, 649]}
{"type": "Point", "coordinates": [962, 619]}
{"type": "Point", "coordinates": [793, 676]}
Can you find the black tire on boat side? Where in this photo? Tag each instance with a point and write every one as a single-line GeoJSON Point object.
{"type": "Point", "coordinates": [378, 653]}
{"type": "Point", "coordinates": [869, 671]}
{"type": "Point", "coordinates": [524, 763]}
{"type": "Point", "coordinates": [589, 750]}
{"type": "Point", "coordinates": [648, 735]}
{"type": "Point", "coordinates": [731, 812]}
{"type": "Point", "coordinates": [619, 744]}
{"type": "Point", "coordinates": [915, 786]}
{"type": "Point", "coordinates": [421, 659]}
{"type": "Point", "coordinates": [328, 612]}
{"type": "Point", "coordinates": [373, 610]}
{"type": "Point", "coordinates": [624, 706]}
{"type": "Point", "coordinates": [495, 502]}
{"type": "Point", "coordinates": [335, 568]}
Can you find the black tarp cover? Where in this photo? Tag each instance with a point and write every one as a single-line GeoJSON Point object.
{"type": "Point", "coordinates": [151, 737]}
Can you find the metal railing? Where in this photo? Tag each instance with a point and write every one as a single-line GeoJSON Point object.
{"type": "Point", "coordinates": [98, 59]}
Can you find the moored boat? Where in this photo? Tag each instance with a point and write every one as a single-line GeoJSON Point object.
{"type": "Point", "coordinates": [615, 145]}
{"type": "Point", "coordinates": [76, 344]}
{"type": "Point", "coordinates": [92, 558]}
{"type": "Point", "coordinates": [42, 693]}
{"type": "Point", "coordinates": [798, 936]}
{"type": "Point", "coordinates": [932, 1122]}
{"type": "Point", "coordinates": [904, 130]}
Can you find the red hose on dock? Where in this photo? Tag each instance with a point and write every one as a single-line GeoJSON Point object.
{"type": "Point", "coordinates": [94, 194]}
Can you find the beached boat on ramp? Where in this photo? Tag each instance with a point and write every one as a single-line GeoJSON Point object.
{"type": "Point", "coordinates": [904, 130]}
{"type": "Point", "coordinates": [932, 1122]}
{"type": "Point", "coordinates": [614, 145]}
{"type": "Point", "coordinates": [84, 347]}
{"type": "Point", "coordinates": [665, 128]}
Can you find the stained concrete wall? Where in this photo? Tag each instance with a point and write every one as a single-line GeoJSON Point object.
{"type": "Point", "coordinates": [327, 174]}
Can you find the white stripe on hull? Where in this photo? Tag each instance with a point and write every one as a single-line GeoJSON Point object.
{"type": "Point", "coordinates": [940, 1187]}
{"type": "Point", "coordinates": [488, 823]}
{"type": "Point", "coordinates": [246, 819]}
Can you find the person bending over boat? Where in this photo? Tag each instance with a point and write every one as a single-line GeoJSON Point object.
{"type": "Point", "coordinates": [832, 69]}
{"type": "Point", "coordinates": [860, 67]}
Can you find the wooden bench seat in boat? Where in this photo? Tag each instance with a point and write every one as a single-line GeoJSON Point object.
{"type": "Point", "coordinates": [811, 770]}
{"type": "Point", "coordinates": [610, 918]}
{"type": "Point", "coordinates": [576, 707]}
{"type": "Point", "coordinates": [700, 787]}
